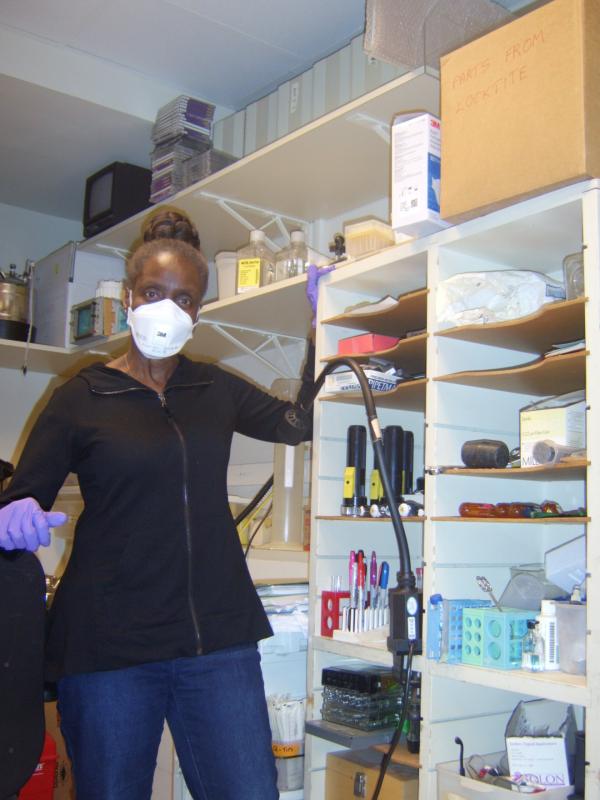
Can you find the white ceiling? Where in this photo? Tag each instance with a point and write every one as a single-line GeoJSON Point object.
{"type": "Point", "coordinates": [81, 80]}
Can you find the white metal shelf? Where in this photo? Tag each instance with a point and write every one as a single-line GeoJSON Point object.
{"type": "Point", "coordinates": [260, 322]}
{"type": "Point", "coordinates": [558, 686]}
{"type": "Point", "coordinates": [315, 172]}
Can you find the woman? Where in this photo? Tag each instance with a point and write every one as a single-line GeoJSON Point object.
{"type": "Point", "coordinates": [156, 617]}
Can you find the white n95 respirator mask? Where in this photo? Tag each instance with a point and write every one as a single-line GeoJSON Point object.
{"type": "Point", "coordinates": [160, 329]}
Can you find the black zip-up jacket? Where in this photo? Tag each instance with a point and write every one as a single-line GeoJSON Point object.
{"type": "Point", "coordinates": [157, 570]}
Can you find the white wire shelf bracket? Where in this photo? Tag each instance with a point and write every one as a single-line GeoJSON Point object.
{"type": "Point", "coordinates": [234, 333]}
{"type": "Point", "coordinates": [241, 211]}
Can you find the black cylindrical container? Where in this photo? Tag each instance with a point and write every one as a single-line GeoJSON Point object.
{"type": "Point", "coordinates": [484, 453]}
{"type": "Point", "coordinates": [355, 500]}
{"type": "Point", "coordinates": [409, 457]}
{"type": "Point", "coordinates": [393, 450]}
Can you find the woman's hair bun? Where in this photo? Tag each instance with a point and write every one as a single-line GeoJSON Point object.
{"type": "Point", "coordinates": [170, 224]}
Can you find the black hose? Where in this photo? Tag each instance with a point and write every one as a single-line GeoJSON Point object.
{"type": "Point", "coordinates": [256, 530]}
{"type": "Point", "coordinates": [254, 502]}
{"type": "Point", "coordinates": [385, 761]}
{"type": "Point", "coordinates": [405, 574]}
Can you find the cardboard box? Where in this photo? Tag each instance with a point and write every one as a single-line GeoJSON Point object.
{"type": "Point", "coordinates": [348, 770]}
{"type": "Point", "coordinates": [559, 419]}
{"type": "Point", "coordinates": [416, 175]}
{"type": "Point", "coordinates": [346, 381]}
{"type": "Point", "coordinates": [366, 343]}
{"type": "Point", "coordinates": [451, 785]}
{"type": "Point", "coordinates": [520, 109]}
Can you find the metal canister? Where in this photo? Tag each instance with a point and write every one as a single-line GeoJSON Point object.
{"type": "Point", "coordinates": [14, 305]}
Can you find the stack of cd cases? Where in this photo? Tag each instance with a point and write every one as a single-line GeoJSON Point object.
{"type": "Point", "coordinates": [183, 128]}
{"type": "Point", "coordinates": [201, 165]}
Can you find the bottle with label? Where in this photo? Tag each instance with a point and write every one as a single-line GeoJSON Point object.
{"type": "Point", "coordinates": [548, 628]}
{"type": "Point", "coordinates": [532, 657]}
{"type": "Point", "coordinates": [255, 264]}
{"type": "Point", "coordinates": [293, 259]}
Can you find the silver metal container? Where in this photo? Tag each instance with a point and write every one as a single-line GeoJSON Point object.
{"type": "Point", "coordinates": [14, 299]}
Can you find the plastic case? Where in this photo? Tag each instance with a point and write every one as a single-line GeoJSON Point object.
{"type": "Point", "coordinates": [493, 638]}
{"type": "Point", "coordinates": [367, 237]}
{"type": "Point", "coordinates": [453, 786]}
{"type": "Point", "coordinates": [444, 628]}
{"type": "Point", "coordinates": [360, 710]}
{"type": "Point", "coordinates": [571, 622]}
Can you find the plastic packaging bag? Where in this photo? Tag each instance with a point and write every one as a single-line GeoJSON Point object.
{"type": "Point", "coordinates": [476, 298]}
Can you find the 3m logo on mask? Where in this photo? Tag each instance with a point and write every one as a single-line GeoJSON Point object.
{"type": "Point", "coordinates": [160, 329]}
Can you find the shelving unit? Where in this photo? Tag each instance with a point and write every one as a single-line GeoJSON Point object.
{"type": "Point", "coordinates": [476, 379]}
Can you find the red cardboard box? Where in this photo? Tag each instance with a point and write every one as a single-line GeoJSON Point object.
{"type": "Point", "coordinates": [365, 343]}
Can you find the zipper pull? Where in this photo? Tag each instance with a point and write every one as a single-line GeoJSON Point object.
{"type": "Point", "coordinates": [163, 402]}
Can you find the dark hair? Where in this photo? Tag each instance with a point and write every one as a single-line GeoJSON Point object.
{"type": "Point", "coordinates": [192, 255]}
{"type": "Point", "coordinates": [171, 224]}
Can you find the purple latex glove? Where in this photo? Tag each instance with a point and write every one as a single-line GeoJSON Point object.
{"type": "Point", "coordinates": [25, 526]}
{"type": "Point", "coordinates": [314, 275]}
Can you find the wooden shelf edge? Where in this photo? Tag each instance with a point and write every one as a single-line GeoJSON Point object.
{"type": "Point", "coordinates": [403, 299]}
{"type": "Point", "coordinates": [520, 520]}
{"type": "Point", "coordinates": [532, 366]}
{"type": "Point", "coordinates": [340, 518]}
{"type": "Point", "coordinates": [519, 472]}
{"type": "Point", "coordinates": [547, 311]}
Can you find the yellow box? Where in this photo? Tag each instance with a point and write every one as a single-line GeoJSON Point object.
{"type": "Point", "coordinates": [360, 768]}
{"type": "Point", "coordinates": [520, 109]}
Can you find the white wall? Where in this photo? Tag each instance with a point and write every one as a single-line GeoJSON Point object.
{"type": "Point", "coordinates": [27, 234]}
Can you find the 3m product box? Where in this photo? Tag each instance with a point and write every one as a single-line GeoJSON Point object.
{"type": "Point", "coordinates": [416, 175]}
{"type": "Point", "coordinates": [520, 109]}
{"type": "Point", "coordinates": [559, 419]}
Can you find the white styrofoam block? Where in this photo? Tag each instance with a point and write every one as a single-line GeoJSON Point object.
{"type": "Point", "coordinates": [261, 123]}
{"type": "Point", "coordinates": [295, 103]}
{"type": "Point", "coordinates": [228, 134]}
{"type": "Point", "coordinates": [369, 73]}
{"type": "Point", "coordinates": [332, 82]}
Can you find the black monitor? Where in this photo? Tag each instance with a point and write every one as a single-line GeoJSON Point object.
{"type": "Point", "coordinates": [113, 194]}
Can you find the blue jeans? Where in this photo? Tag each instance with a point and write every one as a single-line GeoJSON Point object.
{"type": "Point", "coordinates": [215, 708]}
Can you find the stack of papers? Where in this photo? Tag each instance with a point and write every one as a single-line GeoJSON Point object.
{"type": "Point", "coordinates": [565, 347]}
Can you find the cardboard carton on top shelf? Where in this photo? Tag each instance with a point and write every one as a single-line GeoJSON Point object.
{"type": "Point", "coordinates": [520, 109]}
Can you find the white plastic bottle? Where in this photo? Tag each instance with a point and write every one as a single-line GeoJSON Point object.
{"type": "Point", "coordinates": [288, 481]}
{"type": "Point", "coordinates": [548, 628]}
{"type": "Point", "coordinates": [255, 264]}
{"type": "Point", "coordinates": [293, 259]}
